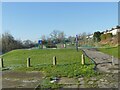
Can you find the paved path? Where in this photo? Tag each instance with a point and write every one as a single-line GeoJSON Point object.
{"type": "Point", "coordinates": [12, 79]}
{"type": "Point", "coordinates": [103, 61]}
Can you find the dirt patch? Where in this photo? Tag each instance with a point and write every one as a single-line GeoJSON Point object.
{"type": "Point", "coordinates": [11, 79]}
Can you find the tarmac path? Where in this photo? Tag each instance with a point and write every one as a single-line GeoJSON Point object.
{"type": "Point", "coordinates": [104, 62]}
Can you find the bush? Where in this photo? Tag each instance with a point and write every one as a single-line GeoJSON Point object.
{"type": "Point", "coordinates": [106, 36]}
{"type": "Point", "coordinates": [109, 35]}
{"type": "Point", "coordinates": [51, 46]}
{"type": "Point", "coordinates": [103, 36]}
{"type": "Point", "coordinates": [96, 36]}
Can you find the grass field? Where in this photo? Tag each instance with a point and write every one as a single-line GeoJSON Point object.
{"type": "Point", "coordinates": [68, 63]}
{"type": "Point", "coordinates": [111, 51]}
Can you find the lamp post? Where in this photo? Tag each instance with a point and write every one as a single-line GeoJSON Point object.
{"type": "Point", "coordinates": [76, 42]}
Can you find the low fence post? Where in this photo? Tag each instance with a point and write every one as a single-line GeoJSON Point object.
{"type": "Point", "coordinates": [113, 61]}
{"type": "Point", "coordinates": [1, 63]}
{"type": "Point", "coordinates": [64, 45]}
{"type": "Point", "coordinates": [54, 60]}
{"type": "Point", "coordinates": [28, 62]}
{"type": "Point", "coordinates": [83, 59]}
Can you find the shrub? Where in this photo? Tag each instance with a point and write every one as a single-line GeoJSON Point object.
{"type": "Point", "coordinates": [109, 35]}
{"type": "Point", "coordinates": [106, 36]}
{"type": "Point", "coordinates": [103, 36]}
{"type": "Point", "coordinates": [96, 36]}
{"type": "Point", "coordinates": [51, 46]}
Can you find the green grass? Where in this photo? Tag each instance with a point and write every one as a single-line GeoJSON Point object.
{"type": "Point", "coordinates": [111, 51]}
{"type": "Point", "coordinates": [68, 62]}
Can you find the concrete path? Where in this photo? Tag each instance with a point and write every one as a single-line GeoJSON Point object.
{"type": "Point", "coordinates": [103, 61]}
{"type": "Point", "coordinates": [12, 79]}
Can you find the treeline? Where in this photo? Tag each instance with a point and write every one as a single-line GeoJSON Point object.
{"type": "Point", "coordinates": [55, 37]}
{"type": "Point", "coordinates": [59, 37]}
{"type": "Point", "coordinates": [9, 43]}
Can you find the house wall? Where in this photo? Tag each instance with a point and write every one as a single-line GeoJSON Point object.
{"type": "Point", "coordinates": [114, 32]}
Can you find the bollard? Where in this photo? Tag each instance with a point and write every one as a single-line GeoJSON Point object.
{"type": "Point", "coordinates": [54, 60]}
{"type": "Point", "coordinates": [28, 62]}
{"type": "Point", "coordinates": [64, 45]}
{"type": "Point", "coordinates": [1, 63]}
{"type": "Point", "coordinates": [83, 59]}
{"type": "Point", "coordinates": [113, 61]}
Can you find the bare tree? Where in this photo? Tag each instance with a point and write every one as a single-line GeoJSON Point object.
{"type": "Point", "coordinates": [57, 36]}
{"type": "Point", "coordinates": [9, 43]}
{"type": "Point", "coordinates": [28, 43]}
{"type": "Point", "coordinates": [43, 37]}
{"type": "Point", "coordinates": [82, 38]}
{"type": "Point", "coordinates": [61, 36]}
{"type": "Point", "coordinates": [54, 34]}
{"type": "Point", "coordinates": [71, 39]}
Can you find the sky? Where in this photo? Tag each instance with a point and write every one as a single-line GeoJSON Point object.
{"type": "Point", "coordinates": [31, 20]}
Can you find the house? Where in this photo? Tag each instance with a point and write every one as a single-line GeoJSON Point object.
{"type": "Point", "coordinates": [89, 36]}
{"type": "Point", "coordinates": [113, 30]}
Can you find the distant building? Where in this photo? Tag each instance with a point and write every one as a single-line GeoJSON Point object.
{"type": "Point", "coordinates": [113, 30]}
{"type": "Point", "coordinates": [89, 36]}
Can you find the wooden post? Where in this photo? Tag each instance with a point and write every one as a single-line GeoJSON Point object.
{"type": "Point", "coordinates": [28, 62]}
{"type": "Point", "coordinates": [1, 63]}
{"type": "Point", "coordinates": [83, 59]}
{"type": "Point", "coordinates": [113, 61]}
{"type": "Point", "coordinates": [64, 45]}
{"type": "Point", "coordinates": [54, 60]}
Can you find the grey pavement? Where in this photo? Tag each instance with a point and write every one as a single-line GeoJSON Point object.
{"type": "Point", "coordinates": [105, 62]}
{"type": "Point", "coordinates": [12, 79]}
